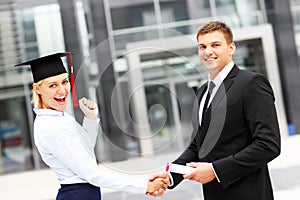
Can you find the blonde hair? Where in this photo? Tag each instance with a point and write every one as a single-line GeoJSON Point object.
{"type": "Point", "coordinates": [36, 98]}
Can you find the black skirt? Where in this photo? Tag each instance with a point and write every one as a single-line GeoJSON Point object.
{"type": "Point", "coordinates": [79, 191]}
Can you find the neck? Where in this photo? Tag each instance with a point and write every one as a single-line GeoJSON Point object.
{"type": "Point", "coordinates": [213, 73]}
{"type": "Point", "coordinates": [47, 107]}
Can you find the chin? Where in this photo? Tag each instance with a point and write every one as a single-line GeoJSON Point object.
{"type": "Point", "coordinates": [59, 108]}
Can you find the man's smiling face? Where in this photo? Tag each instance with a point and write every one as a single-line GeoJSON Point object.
{"type": "Point", "coordinates": [214, 51]}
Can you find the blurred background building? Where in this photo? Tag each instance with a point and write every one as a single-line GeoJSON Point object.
{"type": "Point", "coordinates": [138, 59]}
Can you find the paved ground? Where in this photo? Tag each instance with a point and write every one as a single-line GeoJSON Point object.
{"type": "Point", "coordinates": [42, 185]}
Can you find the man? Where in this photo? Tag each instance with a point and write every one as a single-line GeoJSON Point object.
{"type": "Point", "coordinates": [235, 133]}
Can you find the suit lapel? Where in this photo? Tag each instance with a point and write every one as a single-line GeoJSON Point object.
{"type": "Point", "coordinates": [200, 93]}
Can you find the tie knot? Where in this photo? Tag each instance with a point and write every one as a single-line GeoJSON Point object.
{"type": "Point", "coordinates": [211, 87]}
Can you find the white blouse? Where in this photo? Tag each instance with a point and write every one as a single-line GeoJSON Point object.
{"type": "Point", "coordinates": [68, 149]}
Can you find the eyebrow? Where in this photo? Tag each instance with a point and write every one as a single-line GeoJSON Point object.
{"type": "Point", "coordinates": [51, 82]}
{"type": "Point", "coordinates": [217, 41]}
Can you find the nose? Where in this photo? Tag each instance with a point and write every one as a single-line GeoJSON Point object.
{"type": "Point", "coordinates": [61, 89]}
{"type": "Point", "coordinates": [208, 50]}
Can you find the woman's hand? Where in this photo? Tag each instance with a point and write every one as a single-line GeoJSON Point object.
{"type": "Point", "coordinates": [89, 108]}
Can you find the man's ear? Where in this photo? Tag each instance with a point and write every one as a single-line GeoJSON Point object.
{"type": "Point", "coordinates": [232, 48]}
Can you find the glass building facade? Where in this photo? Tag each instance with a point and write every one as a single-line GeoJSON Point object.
{"type": "Point", "coordinates": [32, 28]}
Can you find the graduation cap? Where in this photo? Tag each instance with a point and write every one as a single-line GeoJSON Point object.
{"type": "Point", "coordinates": [51, 65]}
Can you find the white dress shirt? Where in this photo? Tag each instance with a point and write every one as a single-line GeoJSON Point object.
{"type": "Point", "coordinates": [68, 149]}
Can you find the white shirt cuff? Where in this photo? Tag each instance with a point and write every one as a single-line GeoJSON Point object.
{"type": "Point", "coordinates": [214, 172]}
{"type": "Point", "coordinates": [171, 179]}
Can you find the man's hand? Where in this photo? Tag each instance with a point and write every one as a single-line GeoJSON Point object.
{"type": "Point", "coordinates": [89, 108]}
{"type": "Point", "coordinates": [159, 176]}
{"type": "Point", "coordinates": [203, 173]}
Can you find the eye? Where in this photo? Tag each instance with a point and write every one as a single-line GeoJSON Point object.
{"type": "Point", "coordinates": [52, 86]}
{"type": "Point", "coordinates": [216, 45]}
{"type": "Point", "coordinates": [201, 47]}
{"type": "Point", "coordinates": [65, 82]}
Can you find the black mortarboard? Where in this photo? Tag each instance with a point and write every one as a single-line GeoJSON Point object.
{"type": "Point", "coordinates": [51, 65]}
{"type": "Point", "coordinates": [46, 66]}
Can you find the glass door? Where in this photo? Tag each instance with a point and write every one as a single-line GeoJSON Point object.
{"type": "Point", "coordinates": [161, 118]}
{"type": "Point", "coordinates": [15, 140]}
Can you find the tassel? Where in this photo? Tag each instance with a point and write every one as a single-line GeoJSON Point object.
{"type": "Point", "coordinates": [72, 79]}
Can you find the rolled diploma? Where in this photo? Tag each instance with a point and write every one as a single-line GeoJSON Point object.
{"type": "Point", "coordinates": [180, 169]}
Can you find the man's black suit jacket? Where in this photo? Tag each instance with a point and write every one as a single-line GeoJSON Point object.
{"type": "Point", "coordinates": [242, 136]}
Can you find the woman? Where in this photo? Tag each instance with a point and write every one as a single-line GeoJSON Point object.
{"type": "Point", "coordinates": [58, 136]}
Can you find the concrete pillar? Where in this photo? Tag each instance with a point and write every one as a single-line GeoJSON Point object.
{"type": "Point", "coordinates": [116, 142]}
{"type": "Point", "coordinates": [279, 15]}
{"type": "Point", "coordinates": [73, 44]}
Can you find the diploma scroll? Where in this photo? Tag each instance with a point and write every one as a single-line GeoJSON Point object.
{"type": "Point", "coordinates": [180, 169]}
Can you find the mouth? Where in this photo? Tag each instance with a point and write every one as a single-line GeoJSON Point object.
{"type": "Point", "coordinates": [60, 99]}
{"type": "Point", "coordinates": [210, 59]}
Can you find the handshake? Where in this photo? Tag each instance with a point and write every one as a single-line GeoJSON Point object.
{"type": "Point", "coordinates": [158, 183]}
{"type": "Point", "coordinates": [201, 172]}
